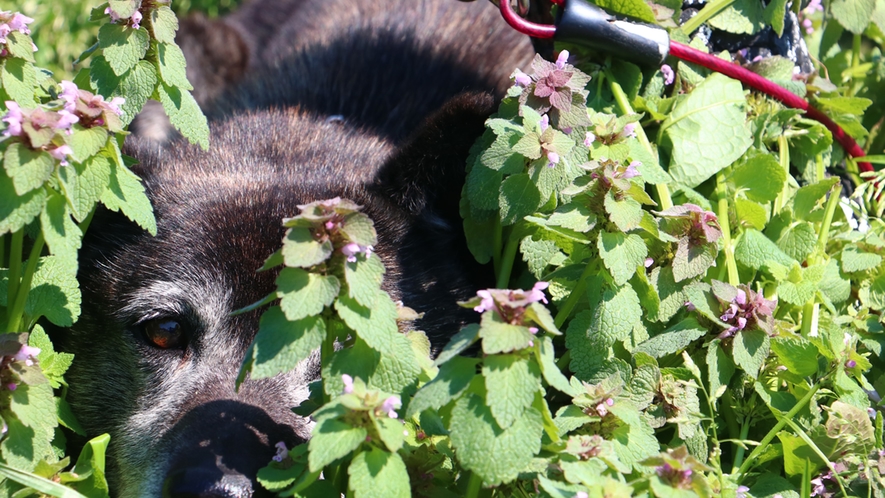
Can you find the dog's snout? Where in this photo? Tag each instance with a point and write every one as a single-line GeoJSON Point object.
{"type": "Point", "coordinates": [206, 481]}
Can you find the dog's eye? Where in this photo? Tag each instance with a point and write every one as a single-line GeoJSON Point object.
{"type": "Point", "coordinates": [164, 333]}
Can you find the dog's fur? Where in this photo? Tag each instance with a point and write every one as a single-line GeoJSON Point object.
{"type": "Point", "coordinates": [354, 98]}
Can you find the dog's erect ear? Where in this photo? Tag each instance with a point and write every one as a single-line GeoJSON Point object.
{"type": "Point", "coordinates": [217, 55]}
{"type": "Point", "coordinates": [429, 170]}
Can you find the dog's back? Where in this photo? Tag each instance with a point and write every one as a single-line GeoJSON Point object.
{"type": "Point", "coordinates": [340, 98]}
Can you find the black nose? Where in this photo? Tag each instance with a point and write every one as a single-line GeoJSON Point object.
{"type": "Point", "coordinates": [206, 481]}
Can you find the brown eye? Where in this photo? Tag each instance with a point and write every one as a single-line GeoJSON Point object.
{"type": "Point", "coordinates": [164, 333]}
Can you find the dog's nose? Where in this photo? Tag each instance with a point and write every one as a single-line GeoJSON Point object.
{"type": "Point", "coordinates": [206, 482]}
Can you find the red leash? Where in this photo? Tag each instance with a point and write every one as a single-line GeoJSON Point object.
{"type": "Point", "coordinates": [591, 26]}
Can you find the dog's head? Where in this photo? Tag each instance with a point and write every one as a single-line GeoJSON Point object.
{"type": "Point", "coordinates": [157, 349]}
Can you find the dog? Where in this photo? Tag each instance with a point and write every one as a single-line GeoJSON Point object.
{"type": "Point", "coordinates": [377, 102]}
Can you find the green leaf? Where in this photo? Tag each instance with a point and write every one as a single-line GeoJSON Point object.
{"type": "Point", "coordinates": [360, 228]}
{"type": "Point", "coordinates": [83, 183]}
{"type": "Point", "coordinates": [476, 436]}
{"type": "Point", "coordinates": [720, 368]}
{"type": "Point", "coordinates": [17, 211]}
{"type": "Point", "coordinates": [519, 197]}
{"type": "Point", "coordinates": [53, 364]}
{"type": "Point", "coordinates": [750, 349]}
{"type": "Point", "coordinates": [549, 369]}
{"type": "Point", "coordinates": [853, 259]}
{"type": "Point", "coordinates": [136, 86]}
{"type": "Point", "coordinates": [499, 336]}
{"type": "Point", "coordinates": [458, 343]}
{"type": "Point", "coordinates": [809, 202]}
{"type": "Point", "coordinates": [760, 176]}
{"type": "Point", "coordinates": [796, 240]}
{"type": "Point", "coordinates": [126, 193]}
{"type": "Point", "coordinates": [123, 46]}
{"type": "Point", "coordinates": [750, 213]}
{"type": "Point", "coordinates": [754, 250]}
{"type": "Point", "coordinates": [774, 14]}
{"type": "Point", "coordinates": [692, 260]}
{"type": "Point", "coordinates": [741, 17]}
{"type": "Point", "coordinates": [88, 474]}
{"type": "Point", "coordinates": [281, 344]}
{"type": "Point", "coordinates": [62, 234]}
{"type": "Point", "coordinates": [591, 334]}
{"type": "Point", "coordinates": [707, 131]}
{"type": "Point", "coordinates": [378, 473]}
{"type": "Point", "coordinates": [673, 340]}
{"type": "Point", "coordinates": [484, 188]}
{"type": "Point", "coordinates": [28, 168]}
{"type": "Point", "coordinates": [184, 114]}
{"type": "Point", "coordinates": [511, 383]}
{"type": "Point", "coordinates": [798, 285]}
{"type": "Point", "coordinates": [171, 66]}
{"type": "Point", "coordinates": [164, 24]}
{"type": "Point", "coordinates": [31, 421]}
{"type": "Point", "coordinates": [626, 214]}
{"type": "Point", "coordinates": [833, 286]}
{"type": "Point", "coordinates": [305, 294]}
{"type": "Point", "coordinates": [670, 293]}
{"type": "Point", "coordinates": [54, 292]}
{"type": "Point", "coordinates": [364, 278]}
{"type": "Point", "coordinates": [538, 254]}
{"type": "Point", "coordinates": [574, 217]}
{"type": "Point", "coordinates": [621, 254]}
{"type": "Point", "coordinates": [374, 324]}
{"type": "Point", "coordinates": [300, 249]}
{"type": "Point", "coordinates": [453, 378]}
{"type": "Point", "coordinates": [636, 9]}
{"type": "Point", "coordinates": [19, 80]}
{"type": "Point", "coordinates": [37, 483]}
{"type": "Point", "coordinates": [86, 142]}
{"type": "Point", "coordinates": [330, 440]}
{"type": "Point", "coordinates": [20, 46]}
{"type": "Point", "coordinates": [796, 353]}
{"type": "Point", "coordinates": [853, 15]}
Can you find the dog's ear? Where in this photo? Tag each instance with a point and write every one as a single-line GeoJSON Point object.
{"type": "Point", "coordinates": [429, 170]}
{"type": "Point", "coordinates": [217, 55]}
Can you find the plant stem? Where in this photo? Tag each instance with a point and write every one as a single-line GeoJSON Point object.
{"type": "Point", "coordinates": [855, 62]}
{"type": "Point", "coordinates": [18, 308]}
{"type": "Point", "coordinates": [784, 155]}
{"type": "Point", "coordinates": [739, 454]}
{"type": "Point", "coordinates": [576, 294]}
{"type": "Point", "coordinates": [624, 104]}
{"type": "Point", "coordinates": [15, 265]}
{"type": "Point", "coordinates": [3, 251]}
{"type": "Point", "coordinates": [722, 214]}
{"type": "Point", "coordinates": [712, 8]}
{"type": "Point", "coordinates": [473, 486]}
{"type": "Point", "coordinates": [507, 259]}
{"type": "Point", "coordinates": [824, 235]}
{"type": "Point", "coordinates": [326, 351]}
{"type": "Point", "coordinates": [748, 463]}
{"type": "Point", "coordinates": [496, 246]}
{"type": "Point", "coordinates": [804, 437]}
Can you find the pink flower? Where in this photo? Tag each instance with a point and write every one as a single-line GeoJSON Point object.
{"type": "Point", "coordinates": [348, 383]}
{"type": "Point", "coordinates": [12, 386]}
{"type": "Point", "coordinates": [629, 130]}
{"type": "Point", "coordinates": [545, 122]}
{"type": "Point", "coordinates": [13, 119]}
{"type": "Point", "coordinates": [61, 153]}
{"type": "Point", "coordinates": [552, 158]}
{"type": "Point", "coordinates": [562, 59]}
{"type": "Point", "coordinates": [487, 303]}
{"type": "Point", "coordinates": [114, 105]}
{"type": "Point", "coordinates": [522, 79]}
{"type": "Point", "coordinates": [537, 294]}
{"type": "Point", "coordinates": [390, 405]}
{"type": "Point", "coordinates": [808, 25]}
{"type": "Point", "coordinates": [282, 452]}
{"type": "Point", "coordinates": [631, 171]}
{"type": "Point", "coordinates": [669, 75]}
{"type": "Point", "coordinates": [66, 121]}
{"type": "Point", "coordinates": [136, 19]}
{"type": "Point", "coordinates": [26, 354]}
{"type": "Point", "coordinates": [351, 249]}
{"type": "Point", "coordinates": [70, 94]}
{"type": "Point", "coordinates": [10, 22]}
{"type": "Point", "coordinates": [589, 139]}
{"type": "Point", "coordinates": [114, 16]}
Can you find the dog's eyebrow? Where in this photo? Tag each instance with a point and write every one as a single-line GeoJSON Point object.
{"type": "Point", "coordinates": [155, 299]}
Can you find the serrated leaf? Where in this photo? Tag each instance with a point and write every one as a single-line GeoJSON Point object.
{"type": "Point", "coordinates": [750, 349]}
{"type": "Point", "coordinates": [453, 378]}
{"type": "Point", "coordinates": [17, 211]}
{"type": "Point", "coordinates": [549, 369]}
{"type": "Point", "coordinates": [301, 250]}
{"type": "Point", "coordinates": [740, 17]}
{"type": "Point", "coordinates": [853, 259]}
{"type": "Point", "coordinates": [511, 383]}
{"type": "Point", "coordinates": [184, 114]}
{"type": "Point", "coordinates": [673, 340]}
{"type": "Point", "coordinates": [636, 9]}
{"type": "Point", "coordinates": [62, 234]}
{"type": "Point", "coordinates": [378, 473]}
{"type": "Point", "coordinates": [136, 86]}
{"type": "Point", "coordinates": [692, 260]}
{"type": "Point", "coordinates": [754, 250]}
{"type": "Point", "coordinates": [574, 217]}
{"type": "Point", "coordinates": [364, 278]}
{"type": "Point", "coordinates": [31, 422]}
{"type": "Point", "coordinates": [760, 176]}
{"type": "Point", "coordinates": [833, 286]}
{"type": "Point", "coordinates": [670, 293]}
{"type": "Point", "coordinates": [330, 440]}
{"type": "Point", "coordinates": [720, 368]}
{"type": "Point", "coordinates": [808, 204]}
{"type": "Point", "coordinates": [458, 343]}
{"type": "Point", "coordinates": [375, 324]}
{"type": "Point", "coordinates": [28, 168]}
{"type": "Point", "coordinates": [499, 336]}
{"type": "Point", "coordinates": [801, 284]}
{"type": "Point", "coordinates": [591, 334]}
{"type": "Point", "coordinates": [797, 240]}
{"type": "Point", "coordinates": [360, 228]}
{"type": "Point", "coordinates": [483, 188]}
{"type": "Point", "coordinates": [86, 142]}
{"type": "Point", "coordinates": [54, 292]}
{"type": "Point", "coordinates": [19, 80]}
{"type": "Point", "coordinates": [853, 15]}
{"type": "Point", "coordinates": [538, 254]}
{"type": "Point", "coordinates": [164, 24]}
{"type": "Point", "coordinates": [123, 46]}
{"type": "Point", "coordinates": [475, 436]}
{"type": "Point", "coordinates": [305, 294]}
{"type": "Point", "coordinates": [171, 66]}
{"type": "Point", "coordinates": [281, 344]}
{"type": "Point", "coordinates": [126, 193]}
{"type": "Point", "coordinates": [621, 254]}
{"type": "Point", "coordinates": [83, 183]}
{"type": "Point", "coordinates": [626, 213]}
{"type": "Point", "coordinates": [52, 364]}
{"type": "Point", "coordinates": [707, 131]}
{"type": "Point", "coordinates": [797, 354]}
{"type": "Point", "coordinates": [750, 213]}
{"type": "Point", "coordinates": [519, 197]}
{"type": "Point", "coordinates": [650, 169]}
{"type": "Point", "coordinates": [774, 15]}
{"type": "Point", "coordinates": [20, 46]}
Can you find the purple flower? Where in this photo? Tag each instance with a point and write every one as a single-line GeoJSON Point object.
{"type": "Point", "coordinates": [114, 16]}
{"type": "Point", "coordinates": [589, 138]}
{"type": "Point", "coordinates": [581, 494]}
{"type": "Point", "coordinates": [136, 19]}
{"type": "Point", "coordinates": [13, 21]}
{"type": "Point", "coordinates": [850, 364]}
{"type": "Point", "coordinates": [552, 158]}
{"type": "Point", "coordinates": [631, 171]}
{"type": "Point", "coordinates": [348, 383]}
{"type": "Point", "coordinates": [487, 303]}
{"type": "Point", "coordinates": [742, 492]}
{"type": "Point", "coordinates": [808, 25]}
{"type": "Point", "coordinates": [567, 130]}
{"type": "Point", "coordinates": [536, 294]}
{"type": "Point", "coordinates": [533, 330]}
{"type": "Point", "coordinates": [813, 5]}
{"type": "Point", "coordinates": [390, 405]}
{"type": "Point", "coordinates": [562, 59]}
{"type": "Point", "coordinates": [61, 153]}
{"type": "Point", "coordinates": [629, 130]}
{"type": "Point", "coordinates": [351, 249]}
{"type": "Point", "coordinates": [13, 119]}
{"type": "Point", "coordinates": [70, 94]}
{"type": "Point", "coordinates": [819, 488]}
{"type": "Point", "coordinates": [544, 123]}
{"type": "Point", "coordinates": [522, 79]}
{"type": "Point", "coordinates": [282, 452]}
{"type": "Point", "coordinates": [66, 120]}
{"type": "Point", "coordinates": [27, 354]}
{"type": "Point", "coordinates": [649, 262]}
{"type": "Point", "coordinates": [601, 409]}
{"type": "Point", "coordinates": [114, 105]}
{"type": "Point", "coordinates": [12, 386]}
{"type": "Point", "coordinates": [669, 75]}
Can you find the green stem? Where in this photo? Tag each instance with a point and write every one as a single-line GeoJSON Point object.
{"type": "Point", "coordinates": [810, 316]}
{"type": "Point", "coordinates": [576, 294]}
{"type": "Point", "coordinates": [855, 61]}
{"type": "Point", "coordinates": [473, 486]}
{"type": "Point", "coordinates": [18, 308]}
{"type": "Point", "coordinates": [741, 449]}
{"type": "Point", "coordinates": [662, 190]}
{"type": "Point", "coordinates": [804, 437]}
{"type": "Point", "coordinates": [3, 251]}
{"type": "Point", "coordinates": [784, 155]}
{"type": "Point", "coordinates": [824, 235]}
{"type": "Point", "coordinates": [326, 351]}
{"type": "Point", "coordinates": [15, 265]}
{"type": "Point", "coordinates": [722, 214]}
{"type": "Point", "coordinates": [763, 445]}
{"type": "Point", "coordinates": [507, 259]}
{"type": "Point", "coordinates": [712, 8]}
{"type": "Point", "coordinates": [496, 246]}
